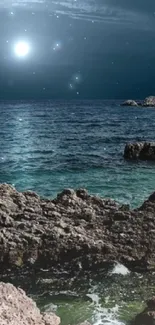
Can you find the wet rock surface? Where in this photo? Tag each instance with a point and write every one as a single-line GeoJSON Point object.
{"type": "Point", "coordinates": [74, 232]}
{"type": "Point", "coordinates": [147, 317]}
{"type": "Point", "coordinates": [17, 309]}
{"type": "Point", "coordinates": [140, 150]}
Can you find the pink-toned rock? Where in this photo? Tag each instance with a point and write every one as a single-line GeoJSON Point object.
{"type": "Point", "coordinates": [17, 309]}
{"type": "Point", "coordinates": [51, 319]}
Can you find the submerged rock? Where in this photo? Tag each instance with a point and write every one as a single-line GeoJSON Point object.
{"type": "Point", "coordinates": [74, 232]}
{"type": "Point", "coordinates": [17, 309]}
{"type": "Point", "coordinates": [129, 102]}
{"type": "Point", "coordinates": [147, 317]}
{"type": "Point", "coordinates": [140, 150]}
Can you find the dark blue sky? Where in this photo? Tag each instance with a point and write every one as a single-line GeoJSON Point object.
{"type": "Point", "coordinates": [77, 49]}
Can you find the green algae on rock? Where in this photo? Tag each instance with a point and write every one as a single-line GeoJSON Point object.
{"type": "Point", "coordinates": [146, 317]}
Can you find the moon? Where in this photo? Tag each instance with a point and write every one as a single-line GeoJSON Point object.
{"type": "Point", "coordinates": [22, 49]}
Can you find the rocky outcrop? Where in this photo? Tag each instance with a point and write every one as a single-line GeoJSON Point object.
{"type": "Point", "coordinates": [149, 102]}
{"type": "Point", "coordinates": [17, 309]}
{"type": "Point", "coordinates": [129, 102]}
{"type": "Point", "coordinates": [74, 232]}
{"type": "Point", "coordinates": [147, 317]}
{"type": "Point", "coordinates": [140, 150]}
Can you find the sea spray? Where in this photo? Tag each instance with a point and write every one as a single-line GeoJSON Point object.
{"type": "Point", "coordinates": [120, 269]}
{"type": "Point", "coordinates": [102, 315]}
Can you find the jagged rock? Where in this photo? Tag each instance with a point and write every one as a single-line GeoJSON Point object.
{"type": "Point", "coordinates": [17, 309]}
{"type": "Point", "coordinates": [129, 102]}
{"type": "Point", "coordinates": [140, 150]}
{"type": "Point", "coordinates": [147, 317]}
{"type": "Point", "coordinates": [149, 101]}
{"type": "Point", "coordinates": [75, 231]}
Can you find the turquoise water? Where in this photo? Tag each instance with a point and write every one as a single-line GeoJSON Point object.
{"type": "Point", "coordinates": [47, 146]}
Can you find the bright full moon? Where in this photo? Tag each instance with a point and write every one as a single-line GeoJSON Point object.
{"type": "Point", "coordinates": [22, 49]}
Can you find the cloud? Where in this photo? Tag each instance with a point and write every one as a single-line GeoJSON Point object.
{"type": "Point", "coordinates": [131, 12]}
{"type": "Point", "coordinates": [135, 5]}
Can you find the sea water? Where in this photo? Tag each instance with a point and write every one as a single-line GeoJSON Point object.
{"type": "Point", "coordinates": [50, 145]}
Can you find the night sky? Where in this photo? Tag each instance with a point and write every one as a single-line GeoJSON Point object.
{"type": "Point", "coordinates": [77, 49]}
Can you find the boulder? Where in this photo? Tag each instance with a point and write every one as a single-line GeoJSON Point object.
{"type": "Point", "coordinates": [147, 317]}
{"type": "Point", "coordinates": [140, 150]}
{"type": "Point", "coordinates": [129, 102]}
{"type": "Point", "coordinates": [17, 309]}
{"type": "Point", "coordinates": [149, 101]}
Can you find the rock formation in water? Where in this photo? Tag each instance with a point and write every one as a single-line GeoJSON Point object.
{"type": "Point", "coordinates": [74, 232]}
{"type": "Point", "coordinates": [129, 102]}
{"type": "Point", "coordinates": [147, 317]}
{"type": "Point", "coordinates": [17, 309]}
{"type": "Point", "coordinates": [148, 102]}
{"type": "Point", "coordinates": [140, 150]}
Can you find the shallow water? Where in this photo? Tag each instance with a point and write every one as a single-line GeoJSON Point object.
{"type": "Point", "coordinates": [109, 298]}
{"type": "Point", "coordinates": [47, 146]}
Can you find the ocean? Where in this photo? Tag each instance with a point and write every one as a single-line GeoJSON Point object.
{"type": "Point", "coordinates": [51, 145]}
{"type": "Point", "coordinates": [48, 146]}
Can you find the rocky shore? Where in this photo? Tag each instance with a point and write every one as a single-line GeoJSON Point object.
{"type": "Point", "coordinates": [74, 232]}
{"type": "Point", "coordinates": [140, 150]}
{"type": "Point", "coordinates": [147, 102]}
{"type": "Point", "coordinates": [17, 309]}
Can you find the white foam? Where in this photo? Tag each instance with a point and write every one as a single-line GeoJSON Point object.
{"type": "Point", "coordinates": [51, 308]}
{"type": "Point", "coordinates": [105, 316]}
{"type": "Point", "coordinates": [120, 269]}
{"type": "Point", "coordinates": [94, 297]}
{"type": "Point", "coordinates": [102, 315]}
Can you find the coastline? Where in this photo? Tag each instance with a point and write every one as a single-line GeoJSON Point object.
{"type": "Point", "coordinates": [75, 232]}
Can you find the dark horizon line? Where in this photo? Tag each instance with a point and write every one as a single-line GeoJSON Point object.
{"type": "Point", "coordinates": [71, 99]}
